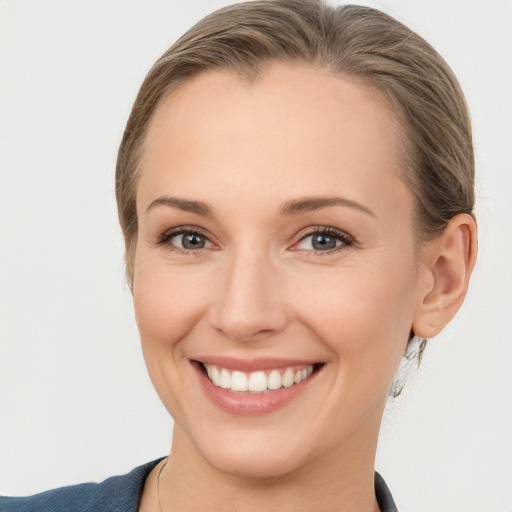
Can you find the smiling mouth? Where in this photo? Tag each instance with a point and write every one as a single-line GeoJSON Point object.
{"type": "Point", "coordinates": [258, 382]}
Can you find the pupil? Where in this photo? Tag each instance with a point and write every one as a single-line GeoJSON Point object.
{"type": "Point", "coordinates": [192, 241]}
{"type": "Point", "coordinates": [323, 243]}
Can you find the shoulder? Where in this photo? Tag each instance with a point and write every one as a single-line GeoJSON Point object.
{"type": "Point", "coordinates": [383, 494]}
{"type": "Point", "coordinates": [116, 494]}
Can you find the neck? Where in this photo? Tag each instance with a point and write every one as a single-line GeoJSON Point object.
{"type": "Point", "coordinates": [340, 479]}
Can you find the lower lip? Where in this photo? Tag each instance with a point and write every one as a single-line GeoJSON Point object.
{"type": "Point", "coordinates": [248, 404]}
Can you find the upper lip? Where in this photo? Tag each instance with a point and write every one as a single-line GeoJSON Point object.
{"type": "Point", "coordinates": [252, 365]}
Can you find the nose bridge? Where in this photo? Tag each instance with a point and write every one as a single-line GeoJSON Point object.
{"type": "Point", "coordinates": [249, 303]}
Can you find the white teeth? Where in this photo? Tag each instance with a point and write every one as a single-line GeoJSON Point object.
{"type": "Point", "coordinates": [288, 378]}
{"type": "Point", "coordinates": [225, 379]}
{"type": "Point", "coordinates": [274, 380]}
{"type": "Point", "coordinates": [256, 382]}
{"type": "Point", "coordinates": [215, 375]}
{"type": "Point", "coordinates": [238, 381]}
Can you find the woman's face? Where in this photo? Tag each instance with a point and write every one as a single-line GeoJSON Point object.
{"type": "Point", "coordinates": [275, 243]}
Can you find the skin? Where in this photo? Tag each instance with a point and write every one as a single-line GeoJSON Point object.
{"type": "Point", "coordinates": [259, 289]}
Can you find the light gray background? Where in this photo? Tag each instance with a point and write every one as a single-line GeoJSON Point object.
{"type": "Point", "coordinates": [76, 404]}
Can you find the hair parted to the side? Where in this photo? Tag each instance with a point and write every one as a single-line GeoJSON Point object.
{"type": "Point", "coordinates": [355, 42]}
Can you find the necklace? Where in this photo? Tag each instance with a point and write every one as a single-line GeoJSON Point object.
{"type": "Point", "coordinates": [158, 483]}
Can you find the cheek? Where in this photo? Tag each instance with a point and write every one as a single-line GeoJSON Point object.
{"type": "Point", "coordinates": [363, 314]}
{"type": "Point", "coordinates": [167, 308]}
{"type": "Point", "coordinates": [167, 304]}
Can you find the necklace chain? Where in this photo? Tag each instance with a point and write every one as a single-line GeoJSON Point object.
{"type": "Point", "coordinates": [158, 483]}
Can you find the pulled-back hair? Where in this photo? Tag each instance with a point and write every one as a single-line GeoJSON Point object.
{"type": "Point", "coordinates": [356, 42]}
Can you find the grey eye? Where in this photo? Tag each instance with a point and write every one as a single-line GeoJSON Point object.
{"type": "Point", "coordinates": [319, 242]}
{"type": "Point", "coordinates": [323, 242]}
{"type": "Point", "coordinates": [190, 241]}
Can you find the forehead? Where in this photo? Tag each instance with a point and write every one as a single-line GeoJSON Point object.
{"type": "Point", "coordinates": [295, 125]}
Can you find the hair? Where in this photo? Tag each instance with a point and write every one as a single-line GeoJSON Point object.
{"type": "Point", "coordinates": [354, 42]}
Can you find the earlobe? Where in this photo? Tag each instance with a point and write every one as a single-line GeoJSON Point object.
{"type": "Point", "coordinates": [450, 261]}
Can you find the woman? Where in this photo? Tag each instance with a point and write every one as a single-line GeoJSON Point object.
{"type": "Point", "coordinates": [295, 189]}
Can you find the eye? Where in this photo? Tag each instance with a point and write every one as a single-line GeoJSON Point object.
{"type": "Point", "coordinates": [184, 240]}
{"type": "Point", "coordinates": [323, 240]}
{"type": "Point", "coordinates": [190, 241]}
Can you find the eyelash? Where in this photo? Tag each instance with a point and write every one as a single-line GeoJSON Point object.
{"type": "Point", "coordinates": [330, 232]}
{"type": "Point", "coordinates": [168, 235]}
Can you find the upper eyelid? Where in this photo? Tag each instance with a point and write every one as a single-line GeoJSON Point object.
{"type": "Point", "coordinates": [180, 230]}
{"type": "Point", "coordinates": [313, 230]}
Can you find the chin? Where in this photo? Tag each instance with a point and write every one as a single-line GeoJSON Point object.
{"type": "Point", "coordinates": [253, 463]}
{"type": "Point", "coordinates": [256, 454]}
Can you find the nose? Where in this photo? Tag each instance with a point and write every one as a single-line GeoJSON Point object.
{"type": "Point", "coordinates": [250, 303]}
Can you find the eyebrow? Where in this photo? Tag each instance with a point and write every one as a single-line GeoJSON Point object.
{"type": "Point", "coordinates": [309, 204]}
{"type": "Point", "coordinates": [182, 204]}
{"type": "Point", "coordinates": [293, 207]}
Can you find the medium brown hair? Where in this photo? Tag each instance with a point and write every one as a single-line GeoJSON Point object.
{"type": "Point", "coordinates": [352, 41]}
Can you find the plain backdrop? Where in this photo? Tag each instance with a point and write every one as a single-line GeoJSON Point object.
{"type": "Point", "coordinates": [76, 403]}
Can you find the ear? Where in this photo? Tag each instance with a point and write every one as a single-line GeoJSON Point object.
{"type": "Point", "coordinates": [448, 262]}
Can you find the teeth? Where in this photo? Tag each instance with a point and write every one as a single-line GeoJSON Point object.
{"type": "Point", "coordinates": [288, 378]}
{"type": "Point", "coordinates": [215, 375]}
{"type": "Point", "coordinates": [225, 379]}
{"type": "Point", "coordinates": [238, 381]}
{"type": "Point", "coordinates": [274, 380]}
{"type": "Point", "coordinates": [257, 382]}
